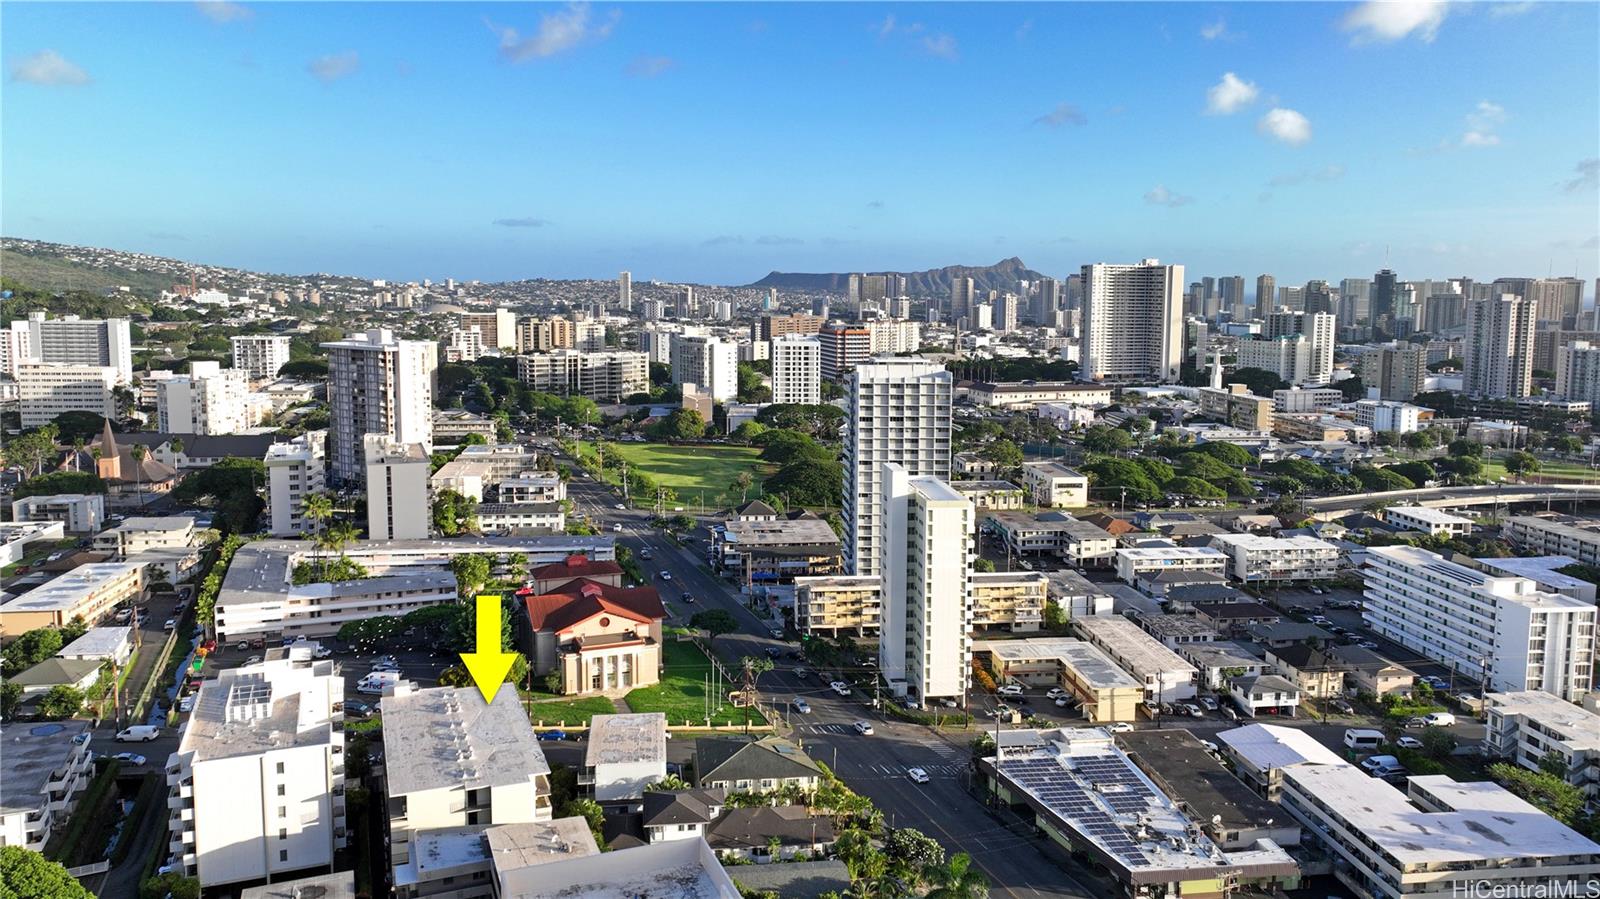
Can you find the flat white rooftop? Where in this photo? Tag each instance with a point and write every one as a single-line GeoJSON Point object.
{"type": "Point", "coordinates": [627, 739]}
{"type": "Point", "coordinates": [1172, 553]}
{"type": "Point", "coordinates": [1266, 543]}
{"type": "Point", "coordinates": [1483, 822]}
{"type": "Point", "coordinates": [446, 737]}
{"type": "Point", "coordinates": [1141, 653]}
{"type": "Point", "coordinates": [1270, 746]}
{"type": "Point", "coordinates": [1575, 725]}
{"type": "Point", "coordinates": [1095, 667]}
{"type": "Point", "coordinates": [67, 591]}
{"type": "Point", "coordinates": [1427, 514]}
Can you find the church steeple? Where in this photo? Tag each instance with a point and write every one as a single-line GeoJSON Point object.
{"type": "Point", "coordinates": [109, 465]}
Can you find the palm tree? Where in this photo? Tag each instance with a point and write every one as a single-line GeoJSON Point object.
{"type": "Point", "coordinates": [956, 879]}
{"type": "Point", "coordinates": [318, 509]}
{"type": "Point", "coordinates": [137, 453]}
{"type": "Point", "coordinates": [341, 536]}
{"type": "Point", "coordinates": [742, 484]}
{"type": "Point", "coordinates": [77, 454]}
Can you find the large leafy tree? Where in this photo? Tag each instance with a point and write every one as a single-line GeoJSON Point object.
{"type": "Point", "coordinates": [715, 622]}
{"type": "Point", "coordinates": [31, 648]}
{"type": "Point", "coordinates": [1104, 439]}
{"type": "Point", "coordinates": [957, 878]}
{"type": "Point", "coordinates": [807, 483]}
{"type": "Point", "coordinates": [232, 485]}
{"type": "Point", "coordinates": [26, 874]}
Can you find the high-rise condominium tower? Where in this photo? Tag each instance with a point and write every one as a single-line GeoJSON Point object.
{"type": "Point", "coordinates": [897, 410]}
{"type": "Point", "coordinates": [625, 291]}
{"type": "Point", "coordinates": [1383, 295]}
{"type": "Point", "coordinates": [796, 369]}
{"type": "Point", "coordinates": [1266, 295]}
{"type": "Point", "coordinates": [378, 384]}
{"type": "Point", "coordinates": [1132, 322]}
{"type": "Point", "coordinates": [962, 296]}
{"type": "Point", "coordinates": [1498, 351]}
{"type": "Point", "coordinates": [926, 596]}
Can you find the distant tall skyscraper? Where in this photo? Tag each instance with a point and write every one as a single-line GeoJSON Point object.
{"type": "Point", "coordinates": [1498, 350]}
{"type": "Point", "coordinates": [1357, 293]}
{"type": "Point", "coordinates": [796, 369]}
{"type": "Point", "coordinates": [894, 285]}
{"type": "Point", "coordinates": [1231, 295]}
{"type": "Point", "coordinates": [1074, 294]}
{"type": "Point", "coordinates": [1318, 297]}
{"type": "Point", "coordinates": [1194, 299]}
{"type": "Point", "coordinates": [866, 292]}
{"type": "Point", "coordinates": [377, 384]}
{"type": "Point", "coordinates": [1266, 295]}
{"type": "Point", "coordinates": [897, 410]}
{"type": "Point", "coordinates": [1385, 296]}
{"type": "Point", "coordinates": [1132, 322]}
{"type": "Point", "coordinates": [962, 297]}
{"type": "Point", "coordinates": [1291, 298]}
{"type": "Point", "coordinates": [1396, 371]}
{"type": "Point", "coordinates": [1557, 300]}
{"type": "Point", "coordinates": [1047, 301]}
{"type": "Point", "coordinates": [625, 291]}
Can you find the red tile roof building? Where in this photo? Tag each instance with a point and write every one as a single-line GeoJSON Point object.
{"type": "Point", "coordinates": [599, 636]}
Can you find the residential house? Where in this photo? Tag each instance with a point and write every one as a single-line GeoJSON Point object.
{"type": "Point", "coordinates": [1317, 674]}
{"type": "Point", "coordinates": [1373, 674]}
{"type": "Point", "coordinates": [1264, 694]}
{"type": "Point", "coordinates": [753, 765]}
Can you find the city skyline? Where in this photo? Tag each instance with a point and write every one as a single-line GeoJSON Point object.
{"type": "Point", "coordinates": [715, 143]}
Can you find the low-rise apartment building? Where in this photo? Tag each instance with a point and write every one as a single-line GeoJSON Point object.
{"type": "Point", "coordinates": [1501, 630]}
{"type": "Point", "coordinates": [1027, 394]}
{"type": "Point", "coordinates": [1165, 675]}
{"type": "Point", "coordinates": [1543, 732]}
{"type": "Point", "coordinates": [138, 534]}
{"type": "Point", "coordinates": [1055, 486]}
{"type": "Point", "coordinates": [256, 786]}
{"type": "Point", "coordinates": [625, 754]}
{"type": "Point", "coordinates": [775, 550]}
{"type": "Point", "coordinates": [1549, 535]}
{"type": "Point", "coordinates": [1078, 542]}
{"type": "Point", "coordinates": [1008, 600]}
{"type": "Point", "coordinates": [1135, 562]}
{"type": "Point", "coordinates": [79, 513]}
{"type": "Point", "coordinates": [1237, 406]}
{"type": "Point", "coordinates": [47, 770]}
{"type": "Point", "coordinates": [605, 377]}
{"type": "Point", "coordinates": [46, 391]}
{"type": "Point", "coordinates": [997, 495]}
{"type": "Point", "coordinates": [1258, 558]}
{"type": "Point", "coordinates": [1105, 692]}
{"type": "Point", "coordinates": [89, 592]}
{"type": "Point", "coordinates": [1427, 520]}
{"type": "Point", "coordinates": [840, 604]}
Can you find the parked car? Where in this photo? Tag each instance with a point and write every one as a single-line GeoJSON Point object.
{"type": "Point", "coordinates": [1342, 707]}
{"type": "Point", "coordinates": [1408, 743]}
{"type": "Point", "coordinates": [356, 709]}
{"type": "Point", "coordinates": [1438, 719]}
{"type": "Point", "coordinates": [1368, 644]}
{"type": "Point", "coordinates": [1010, 690]}
{"type": "Point", "coordinates": [170, 624]}
{"type": "Point", "coordinates": [864, 728]}
{"type": "Point", "coordinates": [917, 775]}
{"type": "Point", "coordinates": [129, 758]}
{"type": "Point", "coordinates": [1121, 727]}
{"type": "Point", "coordinates": [1209, 746]}
{"type": "Point", "coordinates": [1063, 702]}
{"type": "Point", "coordinates": [1055, 692]}
{"type": "Point", "coordinates": [186, 704]}
{"type": "Point", "coordinates": [253, 660]}
{"type": "Point", "coordinates": [1208, 703]}
{"type": "Point", "coordinates": [553, 735]}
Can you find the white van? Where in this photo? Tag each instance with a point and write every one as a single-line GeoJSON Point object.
{"type": "Point", "coordinates": [1439, 719]}
{"type": "Point", "coordinates": [1363, 740]}
{"type": "Point", "coordinates": [374, 682]}
{"type": "Point", "coordinates": [139, 733]}
{"type": "Point", "coordinates": [1380, 765]}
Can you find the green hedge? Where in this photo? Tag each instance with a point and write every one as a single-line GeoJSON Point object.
{"type": "Point", "coordinates": [86, 815]}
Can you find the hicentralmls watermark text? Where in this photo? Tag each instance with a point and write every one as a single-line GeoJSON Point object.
{"type": "Point", "coordinates": [1571, 888]}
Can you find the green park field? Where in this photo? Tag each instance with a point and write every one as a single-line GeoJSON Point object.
{"type": "Point", "coordinates": [688, 470]}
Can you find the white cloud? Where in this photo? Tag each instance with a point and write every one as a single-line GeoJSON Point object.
{"type": "Point", "coordinates": [1482, 124]}
{"type": "Point", "coordinates": [330, 68]}
{"type": "Point", "coordinates": [47, 67]}
{"type": "Point", "coordinates": [886, 27]}
{"type": "Point", "coordinates": [558, 32]}
{"type": "Point", "coordinates": [1216, 30]}
{"type": "Point", "coordinates": [1230, 95]}
{"type": "Point", "coordinates": [1063, 114]}
{"type": "Point", "coordinates": [223, 11]}
{"type": "Point", "coordinates": [1385, 21]}
{"type": "Point", "coordinates": [1515, 8]}
{"type": "Point", "coordinates": [940, 45]}
{"type": "Point", "coordinates": [1161, 196]}
{"type": "Point", "coordinates": [651, 66]}
{"type": "Point", "coordinates": [1285, 125]}
{"type": "Point", "coordinates": [1588, 172]}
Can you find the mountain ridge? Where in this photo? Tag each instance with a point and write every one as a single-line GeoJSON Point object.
{"type": "Point", "coordinates": [1002, 275]}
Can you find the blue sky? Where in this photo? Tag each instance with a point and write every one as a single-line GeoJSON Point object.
{"type": "Point", "coordinates": [716, 142]}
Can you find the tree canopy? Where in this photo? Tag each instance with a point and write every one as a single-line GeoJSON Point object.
{"type": "Point", "coordinates": [29, 875]}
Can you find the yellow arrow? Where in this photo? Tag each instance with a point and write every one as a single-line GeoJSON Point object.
{"type": "Point", "coordinates": [490, 664]}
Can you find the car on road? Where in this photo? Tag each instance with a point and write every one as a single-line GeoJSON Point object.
{"type": "Point", "coordinates": [1055, 693]}
{"type": "Point", "coordinates": [1001, 711]}
{"type": "Point", "coordinates": [1010, 690]}
{"type": "Point", "coordinates": [917, 775]}
{"type": "Point", "coordinates": [803, 707]}
{"type": "Point", "coordinates": [664, 575]}
{"type": "Point", "coordinates": [1209, 746]}
{"type": "Point", "coordinates": [617, 528]}
{"type": "Point", "coordinates": [1367, 644]}
{"type": "Point", "coordinates": [139, 733]}
{"type": "Point", "coordinates": [1408, 743]}
{"type": "Point", "coordinates": [553, 735]}
{"type": "Point", "coordinates": [840, 687]}
{"type": "Point", "coordinates": [186, 704]}
{"type": "Point", "coordinates": [170, 624]}
{"type": "Point", "coordinates": [772, 652]}
{"type": "Point", "coordinates": [864, 728]}
{"type": "Point", "coordinates": [645, 554]}
{"type": "Point", "coordinates": [253, 660]}
{"type": "Point", "coordinates": [1121, 727]}
{"type": "Point", "coordinates": [1439, 719]}
{"type": "Point", "coordinates": [357, 709]}
{"type": "Point", "coordinates": [621, 508]}
{"type": "Point", "coordinates": [801, 673]}
{"type": "Point", "coordinates": [776, 632]}
{"type": "Point", "coordinates": [129, 758]}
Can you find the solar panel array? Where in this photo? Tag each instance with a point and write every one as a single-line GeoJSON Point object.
{"type": "Point", "coordinates": [1129, 795]}
{"type": "Point", "coordinates": [1046, 780]}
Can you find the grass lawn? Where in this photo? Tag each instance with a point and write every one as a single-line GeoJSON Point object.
{"type": "Point", "coordinates": [1549, 472]}
{"type": "Point", "coordinates": [570, 712]}
{"type": "Point", "coordinates": [681, 693]}
{"type": "Point", "coordinates": [37, 554]}
{"type": "Point", "coordinates": [691, 469]}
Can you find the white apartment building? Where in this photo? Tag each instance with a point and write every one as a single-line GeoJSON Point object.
{"type": "Point", "coordinates": [1441, 838]}
{"type": "Point", "coordinates": [1306, 399]}
{"type": "Point", "coordinates": [1388, 416]}
{"type": "Point", "coordinates": [295, 470]}
{"type": "Point", "coordinates": [71, 340]}
{"type": "Point", "coordinates": [1258, 558]}
{"type": "Point", "coordinates": [210, 400]}
{"type": "Point", "coordinates": [1428, 520]}
{"type": "Point", "coordinates": [1578, 372]}
{"type": "Point", "coordinates": [1578, 537]}
{"type": "Point", "coordinates": [1529, 726]}
{"type": "Point", "coordinates": [1313, 363]}
{"type": "Point", "coordinates": [143, 533]}
{"type": "Point", "coordinates": [1055, 486]}
{"type": "Point", "coordinates": [892, 336]}
{"type": "Point", "coordinates": [397, 489]}
{"type": "Point", "coordinates": [455, 761]}
{"type": "Point", "coordinates": [926, 614]}
{"type": "Point", "coordinates": [605, 377]}
{"type": "Point", "coordinates": [80, 513]}
{"type": "Point", "coordinates": [1133, 562]}
{"type": "Point", "coordinates": [897, 410]}
{"type": "Point", "coordinates": [796, 369]}
{"type": "Point", "coordinates": [463, 345]}
{"type": "Point", "coordinates": [1498, 350]}
{"type": "Point", "coordinates": [46, 774]}
{"type": "Point", "coordinates": [256, 786]}
{"type": "Point", "coordinates": [1132, 322]}
{"type": "Point", "coordinates": [48, 389]}
{"type": "Point", "coordinates": [378, 384]}
{"type": "Point", "coordinates": [1500, 630]}
{"type": "Point", "coordinates": [625, 754]}
{"type": "Point", "coordinates": [1166, 676]}
{"type": "Point", "coordinates": [497, 329]}
{"type": "Point", "coordinates": [260, 355]}
{"type": "Point", "coordinates": [710, 363]}
{"type": "Point", "coordinates": [589, 335]}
